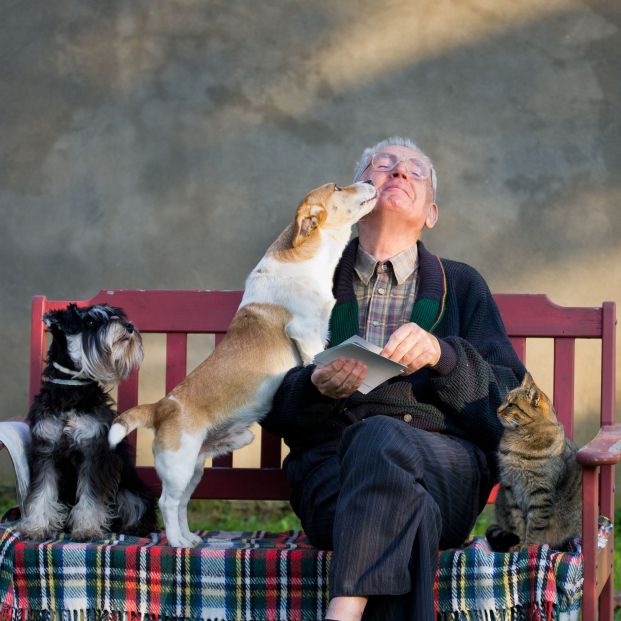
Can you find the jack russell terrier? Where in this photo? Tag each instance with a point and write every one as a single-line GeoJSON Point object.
{"type": "Point", "coordinates": [282, 322]}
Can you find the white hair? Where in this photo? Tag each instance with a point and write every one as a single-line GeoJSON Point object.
{"type": "Point", "coordinates": [393, 141]}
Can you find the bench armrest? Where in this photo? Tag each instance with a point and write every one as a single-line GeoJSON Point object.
{"type": "Point", "coordinates": [15, 437]}
{"type": "Point", "coordinates": [604, 449]}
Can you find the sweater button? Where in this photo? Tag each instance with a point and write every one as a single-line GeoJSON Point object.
{"type": "Point", "coordinates": [407, 418]}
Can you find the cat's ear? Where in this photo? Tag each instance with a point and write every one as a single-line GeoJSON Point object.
{"type": "Point", "coordinates": [533, 392]}
{"type": "Point", "coordinates": [534, 395]}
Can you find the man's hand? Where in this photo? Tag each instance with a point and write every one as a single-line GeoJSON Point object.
{"type": "Point", "coordinates": [414, 347]}
{"type": "Point", "coordinates": [339, 379]}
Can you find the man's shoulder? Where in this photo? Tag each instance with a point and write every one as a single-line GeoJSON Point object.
{"type": "Point", "coordinates": [458, 270]}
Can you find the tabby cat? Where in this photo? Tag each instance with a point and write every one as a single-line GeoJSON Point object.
{"type": "Point", "coordinates": [540, 494]}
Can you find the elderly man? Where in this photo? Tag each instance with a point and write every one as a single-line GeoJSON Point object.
{"type": "Point", "coordinates": [389, 478]}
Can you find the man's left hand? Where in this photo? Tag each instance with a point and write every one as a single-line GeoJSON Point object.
{"type": "Point", "coordinates": [414, 347]}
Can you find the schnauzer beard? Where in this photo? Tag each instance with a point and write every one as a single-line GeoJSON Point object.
{"type": "Point", "coordinates": [107, 355]}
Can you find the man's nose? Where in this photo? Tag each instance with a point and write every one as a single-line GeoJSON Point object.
{"type": "Point", "coordinates": [400, 169]}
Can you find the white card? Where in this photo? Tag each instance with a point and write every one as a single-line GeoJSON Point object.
{"type": "Point", "coordinates": [379, 368]}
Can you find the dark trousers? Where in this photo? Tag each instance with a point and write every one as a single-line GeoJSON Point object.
{"type": "Point", "coordinates": [386, 499]}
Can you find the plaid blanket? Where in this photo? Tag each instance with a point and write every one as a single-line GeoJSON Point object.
{"type": "Point", "coordinates": [256, 576]}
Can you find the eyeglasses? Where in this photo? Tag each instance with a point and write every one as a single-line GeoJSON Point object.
{"type": "Point", "coordinates": [385, 162]}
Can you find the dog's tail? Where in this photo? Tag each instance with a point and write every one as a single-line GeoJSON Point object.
{"type": "Point", "coordinates": [140, 416]}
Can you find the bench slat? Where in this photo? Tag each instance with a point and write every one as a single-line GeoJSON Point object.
{"type": "Point", "coordinates": [535, 315]}
{"type": "Point", "coordinates": [176, 359]}
{"type": "Point", "coordinates": [165, 310]}
{"type": "Point", "coordinates": [519, 344]}
{"type": "Point", "coordinates": [609, 348]}
{"type": "Point", "coordinates": [270, 450]}
{"type": "Point", "coordinates": [223, 461]}
{"type": "Point", "coordinates": [127, 397]}
{"type": "Point", "coordinates": [564, 363]}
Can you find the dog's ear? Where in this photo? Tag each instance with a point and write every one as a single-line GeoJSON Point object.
{"type": "Point", "coordinates": [50, 319]}
{"type": "Point", "coordinates": [307, 219]}
{"type": "Point", "coordinates": [66, 320]}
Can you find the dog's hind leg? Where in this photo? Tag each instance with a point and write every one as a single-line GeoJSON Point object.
{"type": "Point", "coordinates": [177, 469]}
{"type": "Point", "coordinates": [199, 468]}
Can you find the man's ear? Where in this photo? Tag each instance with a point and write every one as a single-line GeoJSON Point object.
{"type": "Point", "coordinates": [307, 219]}
{"type": "Point", "coordinates": [432, 216]}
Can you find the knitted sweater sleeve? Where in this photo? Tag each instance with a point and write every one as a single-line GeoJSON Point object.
{"type": "Point", "coordinates": [478, 364]}
{"type": "Point", "coordinates": [298, 407]}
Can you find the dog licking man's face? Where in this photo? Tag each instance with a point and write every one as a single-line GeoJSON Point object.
{"type": "Point", "coordinates": [102, 343]}
{"type": "Point", "coordinates": [333, 207]}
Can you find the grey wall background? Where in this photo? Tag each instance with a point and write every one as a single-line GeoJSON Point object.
{"type": "Point", "coordinates": [164, 144]}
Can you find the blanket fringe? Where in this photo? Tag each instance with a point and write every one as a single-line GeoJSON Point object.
{"type": "Point", "coordinates": [544, 612]}
{"type": "Point", "coordinates": [9, 613]}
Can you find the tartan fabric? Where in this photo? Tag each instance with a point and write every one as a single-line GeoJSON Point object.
{"type": "Point", "coordinates": [259, 576]}
{"type": "Point", "coordinates": [243, 575]}
{"type": "Point", "coordinates": [385, 293]}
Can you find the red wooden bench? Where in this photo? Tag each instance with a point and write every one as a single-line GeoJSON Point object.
{"type": "Point", "coordinates": [179, 313]}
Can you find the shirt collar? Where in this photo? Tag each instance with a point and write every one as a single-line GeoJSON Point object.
{"type": "Point", "coordinates": [403, 264]}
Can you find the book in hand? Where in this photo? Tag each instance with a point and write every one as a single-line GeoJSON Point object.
{"type": "Point", "coordinates": [379, 368]}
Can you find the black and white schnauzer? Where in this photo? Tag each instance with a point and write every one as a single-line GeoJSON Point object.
{"type": "Point", "coordinates": [76, 481]}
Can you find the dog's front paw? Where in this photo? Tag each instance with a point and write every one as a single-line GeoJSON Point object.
{"type": "Point", "coordinates": [87, 534]}
{"type": "Point", "coordinates": [36, 532]}
{"type": "Point", "coordinates": [39, 527]}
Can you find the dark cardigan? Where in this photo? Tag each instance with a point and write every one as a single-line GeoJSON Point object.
{"type": "Point", "coordinates": [459, 396]}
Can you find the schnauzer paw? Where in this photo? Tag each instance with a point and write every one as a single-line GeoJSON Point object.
{"type": "Point", "coordinates": [90, 534]}
{"type": "Point", "coordinates": [36, 533]}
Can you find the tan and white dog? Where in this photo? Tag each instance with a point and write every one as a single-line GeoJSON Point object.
{"type": "Point", "coordinates": [282, 322]}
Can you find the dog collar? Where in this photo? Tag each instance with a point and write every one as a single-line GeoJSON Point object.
{"type": "Point", "coordinates": [68, 382]}
{"type": "Point", "coordinates": [74, 374]}
{"type": "Point", "coordinates": [74, 381]}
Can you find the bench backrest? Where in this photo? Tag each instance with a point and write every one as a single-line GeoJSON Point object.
{"type": "Point", "coordinates": [178, 313]}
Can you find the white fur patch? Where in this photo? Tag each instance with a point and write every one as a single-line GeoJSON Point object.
{"type": "Point", "coordinates": [116, 434]}
{"type": "Point", "coordinates": [74, 349]}
{"type": "Point", "coordinates": [50, 429]}
{"type": "Point", "coordinates": [82, 429]}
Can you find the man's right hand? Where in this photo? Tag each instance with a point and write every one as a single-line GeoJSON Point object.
{"type": "Point", "coordinates": [339, 379]}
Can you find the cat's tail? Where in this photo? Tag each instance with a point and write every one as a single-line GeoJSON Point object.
{"type": "Point", "coordinates": [140, 416]}
{"type": "Point", "coordinates": [501, 540]}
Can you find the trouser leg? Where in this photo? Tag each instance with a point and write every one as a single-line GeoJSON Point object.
{"type": "Point", "coordinates": [385, 500]}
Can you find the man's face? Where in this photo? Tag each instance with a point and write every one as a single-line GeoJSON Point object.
{"type": "Point", "coordinates": [400, 192]}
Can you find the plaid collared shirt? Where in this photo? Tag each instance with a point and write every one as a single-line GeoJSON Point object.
{"type": "Point", "coordinates": [385, 291]}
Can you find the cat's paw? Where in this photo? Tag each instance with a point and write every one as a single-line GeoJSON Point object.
{"type": "Point", "coordinates": [501, 540]}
